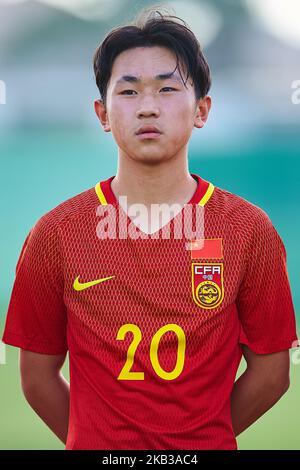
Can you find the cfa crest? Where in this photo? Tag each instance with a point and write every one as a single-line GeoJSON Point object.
{"type": "Point", "coordinates": [207, 284]}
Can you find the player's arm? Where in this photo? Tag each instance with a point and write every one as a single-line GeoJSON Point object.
{"type": "Point", "coordinates": [263, 383]}
{"type": "Point", "coordinates": [46, 390]}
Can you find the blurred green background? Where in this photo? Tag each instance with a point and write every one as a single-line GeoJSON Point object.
{"type": "Point", "coordinates": [52, 147]}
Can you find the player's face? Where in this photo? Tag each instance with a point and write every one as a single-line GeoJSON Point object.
{"type": "Point", "coordinates": [164, 103]}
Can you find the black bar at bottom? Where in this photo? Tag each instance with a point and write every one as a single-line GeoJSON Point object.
{"type": "Point", "coordinates": [140, 458]}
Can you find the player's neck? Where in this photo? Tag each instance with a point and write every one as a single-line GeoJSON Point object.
{"type": "Point", "coordinates": [154, 184]}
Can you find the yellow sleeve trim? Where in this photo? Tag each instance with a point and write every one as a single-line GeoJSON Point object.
{"type": "Point", "coordinates": [100, 194]}
{"type": "Point", "coordinates": [207, 195]}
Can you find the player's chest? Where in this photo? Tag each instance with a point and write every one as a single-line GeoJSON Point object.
{"type": "Point", "coordinates": [166, 279]}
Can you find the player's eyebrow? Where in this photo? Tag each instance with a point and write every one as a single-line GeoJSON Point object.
{"type": "Point", "coordinates": [159, 77]}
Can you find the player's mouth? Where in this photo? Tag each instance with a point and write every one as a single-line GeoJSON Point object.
{"type": "Point", "coordinates": [148, 132]}
{"type": "Point", "coordinates": [149, 135]}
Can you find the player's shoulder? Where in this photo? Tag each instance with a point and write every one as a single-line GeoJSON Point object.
{"type": "Point", "coordinates": [71, 209]}
{"type": "Point", "coordinates": [239, 212]}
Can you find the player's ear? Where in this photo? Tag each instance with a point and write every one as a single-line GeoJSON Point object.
{"type": "Point", "coordinates": [101, 113]}
{"type": "Point", "coordinates": [202, 111]}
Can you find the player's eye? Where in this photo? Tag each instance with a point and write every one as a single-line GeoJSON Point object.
{"type": "Point", "coordinates": [125, 92]}
{"type": "Point", "coordinates": [169, 88]}
{"type": "Point", "coordinates": [129, 92]}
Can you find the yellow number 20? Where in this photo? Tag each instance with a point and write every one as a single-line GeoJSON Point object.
{"type": "Point", "coordinates": [126, 374]}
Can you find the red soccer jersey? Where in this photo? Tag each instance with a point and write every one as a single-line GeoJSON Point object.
{"type": "Point", "coordinates": [153, 325]}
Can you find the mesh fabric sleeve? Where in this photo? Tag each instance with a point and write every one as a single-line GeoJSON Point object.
{"type": "Point", "coordinates": [37, 318]}
{"type": "Point", "coordinates": [264, 301]}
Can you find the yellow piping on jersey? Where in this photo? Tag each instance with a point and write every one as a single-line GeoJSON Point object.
{"type": "Point", "coordinates": [100, 194]}
{"type": "Point", "coordinates": [202, 202]}
{"type": "Point", "coordinates": [207, 195]}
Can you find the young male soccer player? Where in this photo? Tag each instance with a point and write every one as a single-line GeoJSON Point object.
{"type": "Point", "coordinates": [155, 325]}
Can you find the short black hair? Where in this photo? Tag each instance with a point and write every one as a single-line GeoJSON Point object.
{"type": "Point", "coordinates": [153, 28]}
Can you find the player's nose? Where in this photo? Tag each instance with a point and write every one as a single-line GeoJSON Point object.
{"type": "Point", "coordinates": [148, 107]}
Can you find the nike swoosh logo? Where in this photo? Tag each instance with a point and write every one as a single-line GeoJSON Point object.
{"type": "Point", "coordinates": [77, 285]}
